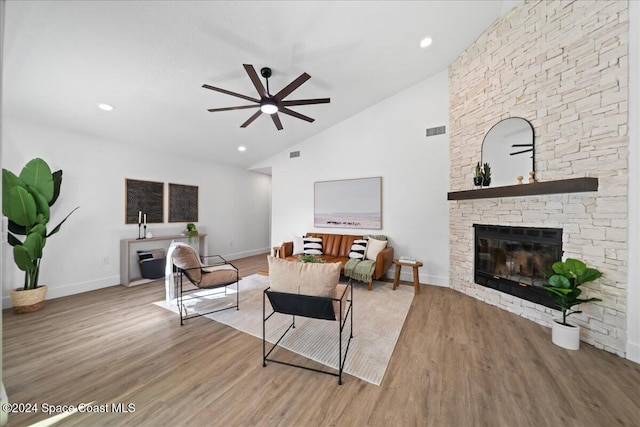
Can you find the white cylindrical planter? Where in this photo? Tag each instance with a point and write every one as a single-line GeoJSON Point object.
{"type": "Point", "coordinates": [565, 336]}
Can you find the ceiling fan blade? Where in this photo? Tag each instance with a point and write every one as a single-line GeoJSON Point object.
{"type": "Point", "coordinates": [306, 101]}
{"type": "Point", "coordinates": [276, 121]}
{"type": "Point", "coordinates": [292, 86]}
{"type": "Point", "coordinates": [251, 119]}
{"type": "Point", "coordinates": [228, 92]}
{"type": "Point", "coordinates": [296, 115]}
{"type": "Point", "coordinates": [240, 107]}
{"type": "Point", "coordinates": [256, 80]}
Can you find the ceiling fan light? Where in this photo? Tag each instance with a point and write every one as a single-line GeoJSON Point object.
{"type": "Point", "coordinates": [268, 106]}
{"type": "Point", "coordinates": [426, 42]}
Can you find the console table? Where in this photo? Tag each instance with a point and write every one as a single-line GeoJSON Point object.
{"type": "Point", "coordinates": [128, 247]}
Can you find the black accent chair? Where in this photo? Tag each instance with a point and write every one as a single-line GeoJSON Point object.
{"type": "Point", "coordinates": [314, 307]}
{"type": "Point", "coordinates": [217, 274]}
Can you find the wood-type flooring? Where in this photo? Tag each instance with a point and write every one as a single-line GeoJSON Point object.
{"type": "Point", "coordinates": [458, 362]}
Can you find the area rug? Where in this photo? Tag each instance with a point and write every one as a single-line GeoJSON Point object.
{"type": "Point", "coordinates": [378, 317]}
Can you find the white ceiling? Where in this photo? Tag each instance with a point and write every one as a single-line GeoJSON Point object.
{"type": "Point", "coordinates": [149, 60]}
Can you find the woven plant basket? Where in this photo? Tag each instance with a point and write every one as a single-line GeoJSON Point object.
{"type": "Point", "coordinates": [28, 301]}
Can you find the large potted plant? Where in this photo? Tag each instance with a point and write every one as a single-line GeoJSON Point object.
{"type": "Point", "coordinates": [564, 288]}
{"type": "Point", "coordinates": [26, 202]}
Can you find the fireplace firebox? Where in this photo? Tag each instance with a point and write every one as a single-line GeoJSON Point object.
{"type": "Point", "coordinates": [517, 260]}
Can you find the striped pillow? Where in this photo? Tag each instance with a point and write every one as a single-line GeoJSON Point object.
{"type": "Point", "coordinates": [358, 248]}
{"type": "Point", "coordinates": [312, 245]}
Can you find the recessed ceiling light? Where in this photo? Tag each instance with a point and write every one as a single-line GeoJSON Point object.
{"type": "Point", "coordinates": [242, 148]}
{"type": "Point", "coordinates": [105, 107]}
{"type": "Point", "coordinates": [426, 42]}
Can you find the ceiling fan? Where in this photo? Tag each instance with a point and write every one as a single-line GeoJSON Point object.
{"type": "Point", "coordinates": [269, 104]}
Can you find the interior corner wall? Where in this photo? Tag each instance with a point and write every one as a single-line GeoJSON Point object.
{"type": "Point", "coordinates": [233, 204]}
{"type": "Point", "coordinates": [3, 395]}
{"type": "Point", "coordinates": [564, 66]}
{"type": "Point", "coordinates": [633, 305]}
{"type": "Point", "coordinates": [387, 140]}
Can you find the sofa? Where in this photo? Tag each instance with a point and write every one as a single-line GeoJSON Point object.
{"type": "Point", "coordinates": [336, 248]}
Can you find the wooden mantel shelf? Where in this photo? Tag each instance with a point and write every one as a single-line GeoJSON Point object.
{"type": "Point", "coordinates": [574, 185]}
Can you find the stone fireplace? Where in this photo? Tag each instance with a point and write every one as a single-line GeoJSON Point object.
{"type": "Point", "coordinates": [563, 66]}
{"type": "Point", "coordinates": [516, 260]}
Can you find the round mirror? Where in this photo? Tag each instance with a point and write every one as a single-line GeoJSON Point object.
{"type": "Point", "coordinates": [508, 148]}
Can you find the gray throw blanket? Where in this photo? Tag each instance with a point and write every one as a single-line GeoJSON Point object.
{"type": "Point", "coordinates": [361, 270]}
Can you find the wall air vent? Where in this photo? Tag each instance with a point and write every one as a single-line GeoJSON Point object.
{"type": "Point", "coordinates": [440, 130]}
{"type": "Point", "coordinates": [293, 154]}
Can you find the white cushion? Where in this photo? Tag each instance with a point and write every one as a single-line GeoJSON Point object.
{"type": "Point", "coordinates": [312, 245]}
{"type": "Point", "coordinates": [358, 249]}
{"type": "Point", "coordinates": [374, 246]}
{"type": "Point", "coordinates": [298, 245]}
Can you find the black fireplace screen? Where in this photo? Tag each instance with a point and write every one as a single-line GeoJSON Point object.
{"type": "Point", "coordinates": [517, 260]}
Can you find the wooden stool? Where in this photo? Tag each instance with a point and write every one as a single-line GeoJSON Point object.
{"type": "Point", "coordinates": [415, 265]}
{"type": "Point", "coordinates": [276, 251]}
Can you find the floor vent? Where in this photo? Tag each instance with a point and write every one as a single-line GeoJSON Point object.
{"type": "Point", "coordinates": [293, 154]}
{"type": "Point", "coordinates": [440, 130]}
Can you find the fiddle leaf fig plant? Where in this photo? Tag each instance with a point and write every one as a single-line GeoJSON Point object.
{"type": "Point", "coordinates": [26, 202]}
{"type": "Point", "coordinates": [564, 286]}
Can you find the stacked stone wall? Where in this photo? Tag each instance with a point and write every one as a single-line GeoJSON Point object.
{"type": "Point", "coordinates": [564, 67]}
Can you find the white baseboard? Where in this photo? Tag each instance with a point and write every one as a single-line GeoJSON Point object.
{"type": "Point", "coordinates": [105, 282]}
{"type": "Point", "coordinates": [406, 274]}
{"type": "Point", "coordinates": [436, 281]}
{"type": "Point", "coordinates": [633, 352]}
{"type": "Point", "coordinates": [72, 289]}
{"type": "Point", "coordinates": [245, 254]}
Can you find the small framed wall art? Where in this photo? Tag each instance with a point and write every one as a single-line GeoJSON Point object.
{"type": "Point", "coordinates": [183, 203]}
{"type": "Point", "coordinates": [144, 198]}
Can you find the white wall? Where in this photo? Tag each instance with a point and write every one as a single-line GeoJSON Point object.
{"type": "Point", "coordinates": [233, 204]}
{"type": "Point", "coordinates": [387, 140]}
{"type": "Point", "coordinates": [3, 394]}
{"type": "Point", "coordinates": [633, 305]}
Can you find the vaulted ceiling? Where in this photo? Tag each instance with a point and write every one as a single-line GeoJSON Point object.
{"type": "Point", "coordinates": [149, 59]}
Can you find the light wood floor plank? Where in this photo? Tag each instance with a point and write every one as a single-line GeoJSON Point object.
{"type": "Point", "coordinates": [458, 362]}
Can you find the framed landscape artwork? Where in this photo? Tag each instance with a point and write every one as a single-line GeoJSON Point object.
{"type": "Point", "coordinates": [146, 197]}
{"type": "Point", "coordinates": [349, 203]}
{"type": "Point", "coordinates": [183, 203]}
